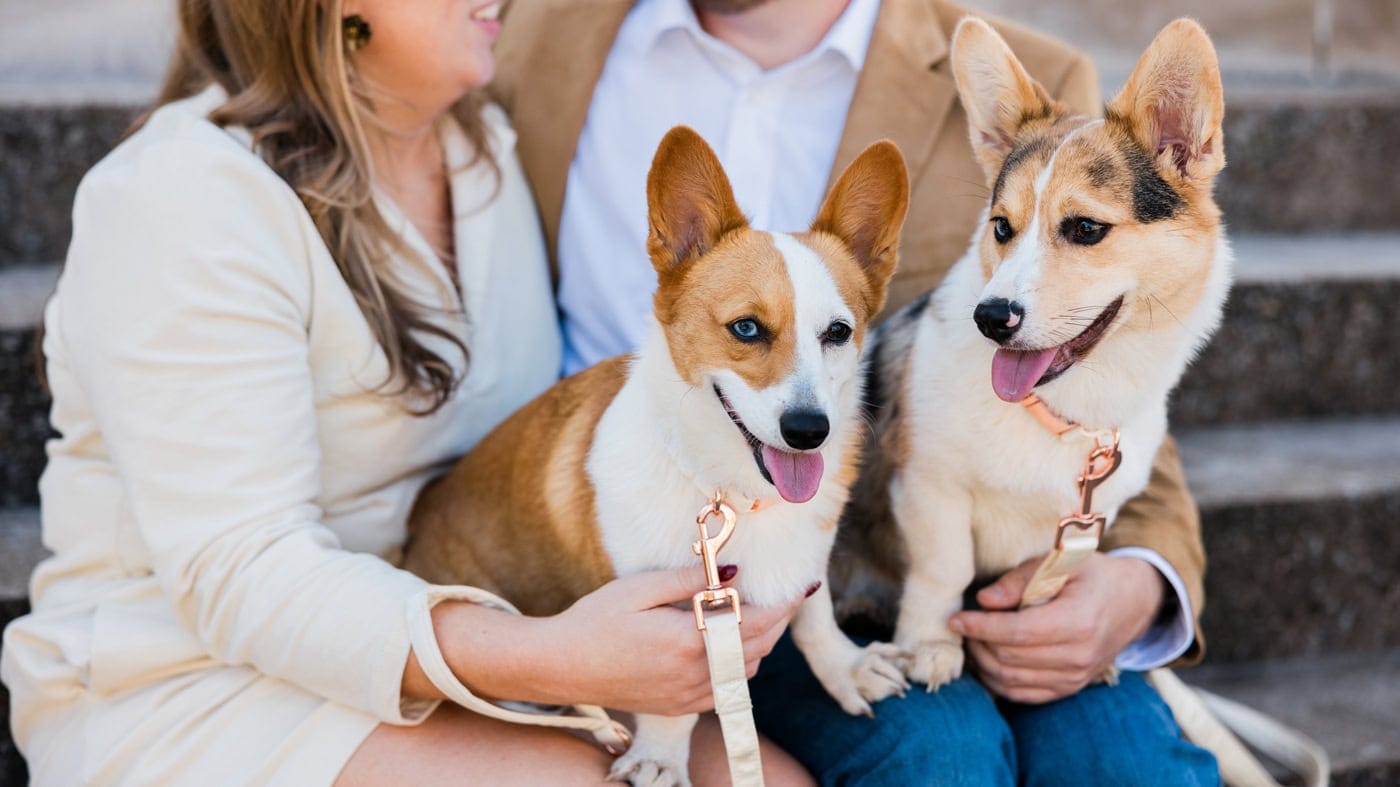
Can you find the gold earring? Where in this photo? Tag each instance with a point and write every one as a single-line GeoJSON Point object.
{"type": "Point", "coordinates": [356, 31]}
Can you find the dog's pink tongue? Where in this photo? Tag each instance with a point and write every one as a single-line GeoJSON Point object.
{"type": "Point", "coordinates": [796, 476]}
{"type": "Point", "coordinates": [1015, 373]}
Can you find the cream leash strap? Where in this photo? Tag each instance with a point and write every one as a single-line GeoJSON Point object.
{"type": "Point", "coordinates": [725, 650]}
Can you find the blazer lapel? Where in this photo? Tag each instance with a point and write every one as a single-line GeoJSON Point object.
{"type": "Point", "coordinates": [905, 89]}
{"type": "Point", "coordinates": [555, 92]}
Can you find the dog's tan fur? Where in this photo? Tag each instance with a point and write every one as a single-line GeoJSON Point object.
{"type": "Point", "coordinates": [523, 484]}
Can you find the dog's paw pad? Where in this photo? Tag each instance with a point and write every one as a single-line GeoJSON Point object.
{"type": "Point", "coordinates": [640, 771]}
{"type": "Point", "coordinates": [878, 673]}
{"type": "Point", "coordinates": [935, 663]}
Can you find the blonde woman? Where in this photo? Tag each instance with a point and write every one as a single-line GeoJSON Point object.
{"type": "Point", "coordinates": [311, 278]}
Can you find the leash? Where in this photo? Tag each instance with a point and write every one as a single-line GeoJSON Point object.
{"type": "Point", "coordinates": [1209, 721]}
{"type": "Point", "coordinates": [1077, 535]}
{"type": "Point", "coordinates": [725, 649]}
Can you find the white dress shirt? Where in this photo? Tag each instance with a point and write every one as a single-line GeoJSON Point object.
{"type": "Point", "coordinates": [776, 133]}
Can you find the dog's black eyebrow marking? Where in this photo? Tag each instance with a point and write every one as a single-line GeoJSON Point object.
{"type": "Point", "coordinates": [1017, 157]}
{"type": "Point", "coordinates": [1153, 198]}
{"type": "Point", "coordinates": [1102, 171]}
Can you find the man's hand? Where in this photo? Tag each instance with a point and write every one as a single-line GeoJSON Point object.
{"type": "Point", "coordinates": [1044, 653]}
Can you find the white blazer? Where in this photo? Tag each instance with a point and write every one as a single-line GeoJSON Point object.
{"type": "Point", "coordinates": [228, 484]}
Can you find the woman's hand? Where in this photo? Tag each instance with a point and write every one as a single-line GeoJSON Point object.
{"type": "Point", "coordinates": [1051, 651]}
{"type": "Point", "coordinates": [621, 646]}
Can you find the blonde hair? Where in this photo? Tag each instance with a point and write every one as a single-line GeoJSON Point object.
{"type": "Point", "coordinates": [290, 83]}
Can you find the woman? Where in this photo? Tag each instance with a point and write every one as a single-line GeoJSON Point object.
{"type": "Point", "coordinates": [311, 278]}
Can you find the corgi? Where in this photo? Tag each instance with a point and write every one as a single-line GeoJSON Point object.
{"type": "Point", "coordinates": [749, 383]}
{"type": "Point", "coordinates": [1100, 267]}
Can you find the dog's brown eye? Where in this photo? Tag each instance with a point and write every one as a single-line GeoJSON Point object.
{"type": "Point", "coordinates": [1085, 232]}
{"type": "Point", "coordinates": [836, 333]}
{"type": "Point", "coordinates": [1001, 229]}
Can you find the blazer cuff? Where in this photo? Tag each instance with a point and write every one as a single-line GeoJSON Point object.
{"type": "Point", "coordinates": [1173, 631]}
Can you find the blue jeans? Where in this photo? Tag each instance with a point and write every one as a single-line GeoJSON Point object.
{"type": "Point", "coordinates": [960, 735]}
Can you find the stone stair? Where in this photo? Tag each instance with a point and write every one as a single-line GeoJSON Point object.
{"type": "Point", "coordinates": [1289, 422]}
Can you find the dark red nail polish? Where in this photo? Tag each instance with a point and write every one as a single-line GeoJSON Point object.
{"type": "Point", "coordinates": [727, 572]}
{"type": "Point", "coordinates": [813, 588]}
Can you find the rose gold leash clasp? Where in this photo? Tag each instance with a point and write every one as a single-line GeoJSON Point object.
{"type": "Point", "coordinates": [715, 594]}
{"type": "Point", "coordinates": [1103, 462]}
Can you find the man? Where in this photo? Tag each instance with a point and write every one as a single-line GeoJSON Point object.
{"type": "Point", "coordinates": [788, 92]}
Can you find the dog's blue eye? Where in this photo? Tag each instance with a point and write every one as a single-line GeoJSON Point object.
{"type": "Point", "coordinates": [746, 330]}
{"type": "Point", "coordinates": [1001, 229]}
{"type": "Point", "coordinates": [837, 333]}
{"type": "Point", "coordinates": [1085, 232]}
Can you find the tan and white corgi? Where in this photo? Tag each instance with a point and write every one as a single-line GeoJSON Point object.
{"type": "Point", "coordinates": [1099, 269]}
{"type": "Point", "coordinates": [749, 384]}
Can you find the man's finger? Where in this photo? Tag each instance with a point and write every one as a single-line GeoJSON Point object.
{"type": "Point", "coordinates": [1006, 592]}
{"type": "Point", "coordinates": [1047, 624]}
{"type": "Point", "coordinates": [1020, 684]}
{"type": "Point", "coordinates": [1067, 657]}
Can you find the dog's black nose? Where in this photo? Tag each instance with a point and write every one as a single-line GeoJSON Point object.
{"type": "Point", "coordinates": [998, 318]}
{"type": "Point", "coordinates": [804, 429]}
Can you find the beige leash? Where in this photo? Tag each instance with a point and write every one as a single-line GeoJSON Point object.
{"type": "Point", "coordinates": [725, 650]}
{"type": "Point", "coordinates": [1207, 720]}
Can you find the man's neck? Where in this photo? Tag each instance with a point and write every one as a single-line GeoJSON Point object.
{"type": "Point", "coordinates": [775, 32]}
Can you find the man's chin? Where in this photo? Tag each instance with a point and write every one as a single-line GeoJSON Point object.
{"type": "Point", "coordinates": [726, 7]}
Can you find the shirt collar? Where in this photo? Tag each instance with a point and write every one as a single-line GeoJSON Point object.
{"type": "Point", "coordinates": [848, 37]}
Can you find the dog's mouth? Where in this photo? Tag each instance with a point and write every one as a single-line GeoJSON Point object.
{"type": "Point", "coordinates": [1016, 372]}
{"type": "Point", "coordinates": [796, 475]}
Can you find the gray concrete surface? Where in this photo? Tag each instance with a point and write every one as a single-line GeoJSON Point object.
{"type": "Point", "coordinates": [1280, 462]}
{"type": "Point", "coordinates": [20, 549]}
{"type": "Point", "coordinates": [23, 291]}
{"type": "Point", "coordinates": [1350, 704]}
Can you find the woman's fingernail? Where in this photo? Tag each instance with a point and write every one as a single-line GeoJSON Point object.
{"type": "Point", "coordinates": [813, 588]}
{"type": "Point", "coordinates": [956, 625]}
{"type": "Point", "coordinates": [727, 572]}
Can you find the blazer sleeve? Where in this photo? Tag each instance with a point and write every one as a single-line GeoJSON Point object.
{"type": "Point", "coordinates": [186, 303]}
{"type": "Point", "coordinates": [1164, 517]}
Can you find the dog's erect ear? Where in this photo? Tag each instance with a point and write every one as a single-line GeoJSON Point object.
{"type": "Point", "coordinates": [866, 209]}
{"type": "Point", "coordinates": [996, 92]}
{"type": "Point", "coordinates": [690, 204]}
{"type": "Point", "coordinates": [1173, 104]}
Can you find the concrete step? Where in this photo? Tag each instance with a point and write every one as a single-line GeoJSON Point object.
{"type": "Point", "coordinates": [1298, 520]}
{"type": "Point", "coordinates": [1308, 333]}
{"type": "Point", "coordinates": [1349, 704]}
{"type": "Point", "coordinates": [1301, 158]}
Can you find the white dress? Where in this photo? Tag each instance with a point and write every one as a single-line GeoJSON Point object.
{"type": "Point", "coordinates": [228, 487]}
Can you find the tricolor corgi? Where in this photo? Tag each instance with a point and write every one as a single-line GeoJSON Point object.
{"type": "Point", "coordinates": [1099, 269]}
{"type": "Point", "coordinates": [748, 384]}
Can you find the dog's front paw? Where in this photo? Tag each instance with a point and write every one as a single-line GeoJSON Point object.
{"type": "Point", "coordinates": [935, 662]}
{"type": "Point", "coordinates": [642, 770]}
{"type": "Point", "coordinates": [877, 674]}
{"type": "Point", "coordinates": [873, 675]}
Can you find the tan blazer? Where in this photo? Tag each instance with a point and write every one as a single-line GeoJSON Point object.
{"type": "Point", "coordinates": [551, 54]}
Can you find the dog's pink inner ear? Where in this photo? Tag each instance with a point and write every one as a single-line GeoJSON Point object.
{"type": "Point", "coordinates": [690, 202]}
{"type": "Point", "coordinates": [866, 207]}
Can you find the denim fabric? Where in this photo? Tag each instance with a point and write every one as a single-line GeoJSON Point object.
{"type": "Point", "coordinates": [960, 735]}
